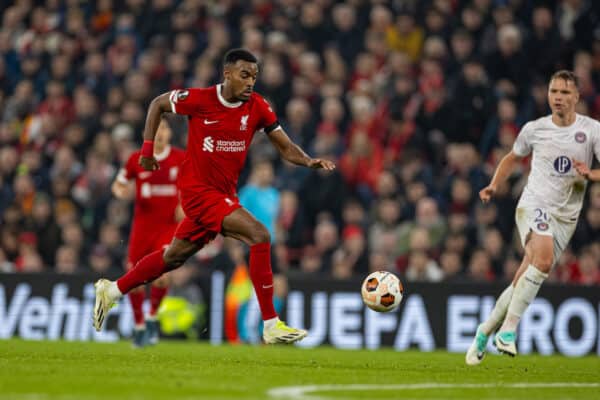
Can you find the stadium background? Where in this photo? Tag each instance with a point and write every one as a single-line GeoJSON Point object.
{"type": "Point", "coordinates": [415, 100]}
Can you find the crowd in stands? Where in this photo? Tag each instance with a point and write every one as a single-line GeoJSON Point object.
{"type": "Point", "coordinates": [415, 100]}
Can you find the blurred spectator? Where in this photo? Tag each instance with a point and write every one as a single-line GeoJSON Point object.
{"type": "Point", "coordinates": [422, 268]}
{"type": "Point", "coordinates": [67, 260]}
{"type": "Point", "coordinates": [260, 197]}
{"type": "Point", "coordinates": [480, 267]}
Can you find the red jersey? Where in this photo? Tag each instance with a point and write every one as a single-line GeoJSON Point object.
{"type": "Point", "coordinates": [219, 136]}
{"type": "Point", "coordinates": [156, 194]}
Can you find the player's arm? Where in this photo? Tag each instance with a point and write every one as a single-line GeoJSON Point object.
{"type": "Point", "coordinates": [122, 191]}
{"type": "Point", "coordinates": [503, 171]}
{"type": "Point", "coordinates": [586, 172]}
{"type": "Point", "coordinates": [158, 106]}
{"type": "Point", "coordinates": [291, 152]}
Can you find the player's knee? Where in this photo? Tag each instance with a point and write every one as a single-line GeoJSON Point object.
{"type": "Point", "coordinates": [543, 262]}
{"type": "Point", "coordinates": [174, 259]}
{"type": "Point", "coordinates": [260, 235]}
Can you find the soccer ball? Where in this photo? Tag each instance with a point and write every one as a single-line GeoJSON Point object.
{"type": "Point", "coordinates": [382, 291]}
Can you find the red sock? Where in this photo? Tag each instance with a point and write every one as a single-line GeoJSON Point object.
{"type": "Point", "coordinates": [146, 270]}
{"type": "Point", "coordinates": [136, 298]}
{"type": "Point", "coordinates": [262, 278]}
{"type": "Point", "coordinates": [156, 295]}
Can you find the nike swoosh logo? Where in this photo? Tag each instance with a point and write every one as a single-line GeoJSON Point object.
{"type": "Point", "coordinates": [267, 286]}
{"type": "Point", "coordinates": [480, 356]}
{"type": "Point", "coordinates": [207, 122]}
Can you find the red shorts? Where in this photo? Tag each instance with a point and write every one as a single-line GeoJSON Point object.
{"type": "Point", "coordinates": [204, 214]}
{"type": "Point", "coordinates": [145, 239]}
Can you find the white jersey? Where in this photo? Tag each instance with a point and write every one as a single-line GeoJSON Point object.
{"type": "Point", "coordinates": [554, 184]}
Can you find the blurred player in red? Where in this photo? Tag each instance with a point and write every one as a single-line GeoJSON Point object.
{"type": "Point", "coordinates": [222, 121]}
{"type": "Point", "coordinates": [155, 219]}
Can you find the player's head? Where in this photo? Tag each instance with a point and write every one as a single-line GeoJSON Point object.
{"type": "Point", "coordinates": [163, 136]}
{"type": "Point", "coordinates": [240, 69]}
{"type": "Point", "coordinates": [563, 93]}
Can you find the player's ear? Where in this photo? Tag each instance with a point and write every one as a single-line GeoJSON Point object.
{"type": "Point", "coordinates": [227, 71]}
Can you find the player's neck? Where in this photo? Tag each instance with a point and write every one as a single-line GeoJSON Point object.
{"type": "Point", "coordinates": [564, 120]}
{"type": "Point", "coordinates": [227, 94]}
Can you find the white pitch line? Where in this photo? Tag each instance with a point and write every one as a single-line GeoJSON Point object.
{"type": "Point", "coordinates": [304, 392]}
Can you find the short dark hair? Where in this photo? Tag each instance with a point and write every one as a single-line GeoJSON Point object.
{"type": "Point", "coordinates": [234, 55]}
{"type": "Point", "coordinates": [566, 75]}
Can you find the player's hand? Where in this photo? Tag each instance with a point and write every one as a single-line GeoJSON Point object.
{"type": "Point", "coordinates": [581, 168]}
{"type": "Point", "coordinates": [317, 163]}
{"type": "Point", "coordinates": [487, 193]}
{"type": "Point", "coordinates": [148, 163]}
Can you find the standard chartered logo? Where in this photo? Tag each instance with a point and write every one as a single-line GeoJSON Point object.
{"type": "Point", "coordinates": [228, 146]}
{"type": "Point", "coordinates": [208, 144]}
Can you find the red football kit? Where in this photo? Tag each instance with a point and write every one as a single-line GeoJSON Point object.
{"type": "Point", "coordinates": [220, 133]}
{"type": "Point", "coordinates": [156, 199]}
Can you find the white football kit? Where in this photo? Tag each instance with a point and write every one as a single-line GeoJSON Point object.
{"type": "Point", "coordinates": [552, 199]}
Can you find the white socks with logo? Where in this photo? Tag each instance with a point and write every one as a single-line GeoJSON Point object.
{"type": "Point", "coordinates": [525, 291]}
{"type": "Point", "coordinates": [499, 311]}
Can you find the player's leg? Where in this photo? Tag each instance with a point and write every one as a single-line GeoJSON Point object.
{"type": "Point", "coordinates": [158, 290]}
{"type": "Point", "coordinates": [146, 270]}
{"type": "Point", "coordinates": [526, 284]}
{"type": "Point", "coordinates": [137, 249]}
{"type": "Point", "coordinates": [477, 350]}
{"type": "Point", "coordinates": [241, 225]}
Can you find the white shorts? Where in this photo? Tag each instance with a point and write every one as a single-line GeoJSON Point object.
{"type": "Point", "coordinates": [540, 221]}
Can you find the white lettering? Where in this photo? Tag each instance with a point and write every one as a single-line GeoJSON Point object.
{"type": "Point", "coordinates": [462, 322]}
{"type": "Point", "coordinates": [536, 327]}
{"type": "Point", "coordinates": [344, 319]}
{"type": "Point", "coordinates": [414, 326]}
{"type": "Point", "coordinates": [318, 310]}
{"type": "Point", "coordinates": [63, 305]}
{"type": "Point", "coordinates": [10, 315]}
{"type": "Point", "coordinates": [89, 297]}
{"type": "Point", "coordinates": [34, 319]}
{"type": "Point", "coordinates": [575, 308]}
{"type": "Point", "coordinates": [375, 324]}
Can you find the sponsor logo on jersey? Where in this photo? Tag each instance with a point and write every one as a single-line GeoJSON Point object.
{"type": "Point", "coordinates": [208, 144]}
{"type": "Point", "coordinates": [227, 146]}
{"type": "Point", "coordinates": [148, 190]}
{"type": "Point", "coordinates": [542, 226]}
{"type": "Point", "coordinates": [580, 137]}
{"type": "Point", "coordinates": [562, 164]}
{"type": "Point", "coordinates": [145, 174]}
{"type": "Point", "coordinates": [173, 171]}
{"type": "Point", "coordinates": [244, 122]}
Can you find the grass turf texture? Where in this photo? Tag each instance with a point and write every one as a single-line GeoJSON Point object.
{"type": "Point", "coordinates": [184, 370]}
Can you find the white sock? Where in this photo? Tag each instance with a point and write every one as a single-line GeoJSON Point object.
{"type": "Point", "coordinates": [113, 291]}
{"type": "Point", "coordinates": [151, 317]}
{"type": "Point", "coordinates": [498, 312]}
{"type": "Point", "coordinates": [525, 291]}
{"type": "Point", "coordinates": [270, 323]}
{"type": "Point", "coordinates": [140, 327]}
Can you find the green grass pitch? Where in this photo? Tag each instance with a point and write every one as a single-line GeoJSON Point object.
{"type": "Point", "coordinates": [185, 370]}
